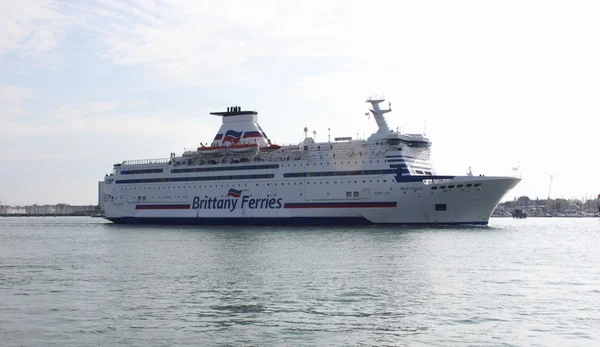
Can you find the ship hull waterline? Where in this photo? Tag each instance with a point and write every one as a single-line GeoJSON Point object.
{"type": "Point", "coordinates": [405, 204]}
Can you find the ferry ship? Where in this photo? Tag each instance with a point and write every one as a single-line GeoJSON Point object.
{"type": "Point", "coordinates": [242, 178]}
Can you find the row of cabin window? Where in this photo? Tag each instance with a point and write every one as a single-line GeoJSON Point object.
{"type": "Point", "coordinates": [340, 173]}
{"type": "Point", "coordinates": [263, 176]}
{"type": "Point", "coordinates": [200, 178]}
{"type": "Point", "coordinates": [420, 172]}
{"type": "Point", "coordinates": [257, 184]}
{"type": "Point", "coordinates": [143, 198]}
{"type": "Point", "coordinates": [334, 163]}
{"type": "Point", "coordinates": [144, 171]}
{"type": "Point", "coordinates": [256, 167]}
{"type": "Point", "coordinates": [468, 185]}
{"type": "Point", "coordinates": [227, 168]}
{"type": "Point", "coordinates": [224, 168]}
{"type": "Point", "coordinates": [416, 162]}
{"type": "Point", "coordinates": [326, 182]}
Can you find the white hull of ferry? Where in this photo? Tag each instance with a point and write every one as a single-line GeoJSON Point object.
{"type": "Point", "coordinates": [385, 179]}
{"type": "Point", "coordinates": [391, 203]}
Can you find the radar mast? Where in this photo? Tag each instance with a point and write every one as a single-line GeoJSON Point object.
{"type": "Point", "coordinates": [378, 113]}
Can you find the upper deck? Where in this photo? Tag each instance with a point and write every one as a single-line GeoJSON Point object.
{"type": "Point", "coordinates": [241, 140]}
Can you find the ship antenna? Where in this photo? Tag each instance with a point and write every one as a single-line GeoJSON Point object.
{"type": "Point", "coordinates": [315, 135]}
{"type": "Point", "coordinates": [328, 134]}
{"type": "Point", "coordinates": [305, 132]}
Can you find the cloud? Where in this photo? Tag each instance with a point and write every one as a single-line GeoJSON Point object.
{"type": "Point", "coordinates": [466, 67]}
{"type": "Point", "coordinates": [11, 100]}
{"type": "Point", "coordinates": [83, 111]}
{"type": "Point", "coordinates": [205, 42]}
{"type": "Point", "coordinates": [30, 28]}
{"type": "Point", "coordinates": [105, 117]}
{"type": "Point", "coordinates": [208, 42]}
{"type": "Point", "coordinates": [107, 130]}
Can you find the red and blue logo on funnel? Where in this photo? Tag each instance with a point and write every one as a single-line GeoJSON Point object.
{"type": "Point", "coordinates": [232, 136]}
{"type": "Point", "coordinates": [234, 193]}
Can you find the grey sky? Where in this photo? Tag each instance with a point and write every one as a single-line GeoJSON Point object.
{"type": "Point", "coordinates": [84, 85]}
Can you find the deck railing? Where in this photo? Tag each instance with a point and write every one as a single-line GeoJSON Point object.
{"type": "Point", "coordinates": [146, 161]}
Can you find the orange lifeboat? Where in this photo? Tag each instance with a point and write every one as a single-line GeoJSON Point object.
{"type": "Point", "coordinates": [244, 148]}
{"type": "Point", "coordinates": [270, 148]}
{"type": "Point", "coordinates": [212, 150]}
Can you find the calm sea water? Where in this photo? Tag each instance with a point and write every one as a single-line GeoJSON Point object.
{"type": "Point", "coordinates": [82, 281]}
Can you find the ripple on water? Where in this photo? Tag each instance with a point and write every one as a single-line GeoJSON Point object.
{"type": "Point", "coordinates": [79, 282]}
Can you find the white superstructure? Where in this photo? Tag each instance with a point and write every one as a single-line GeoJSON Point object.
{"type": "Point", "coordinates": [242, 178]}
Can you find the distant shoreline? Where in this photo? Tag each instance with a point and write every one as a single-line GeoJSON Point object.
{"type": "Point", "coordinates": [528, 217]}
{"type": "Point", "coordinates": [49, 215]}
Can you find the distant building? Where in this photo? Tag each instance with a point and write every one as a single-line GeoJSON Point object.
{"type": "Point", "coordinates": [40, 209]}
{"type": "Point", "coordinates": [58, 209]}
{"type": "Point", "coordinates": [11, 209]}
{"type": "Point", "coordinates": [101, 195]}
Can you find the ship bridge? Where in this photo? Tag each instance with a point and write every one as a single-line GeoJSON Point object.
{"type": "Point", "coordinates": [390, 137]}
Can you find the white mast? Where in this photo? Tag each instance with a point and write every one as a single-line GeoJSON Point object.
{"type": "Point", "coordinates": [378, 113]}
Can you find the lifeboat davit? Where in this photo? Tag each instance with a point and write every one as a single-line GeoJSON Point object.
{"type": "Point", "coordinates": [212, 150]}
{"type": "Point", "coordinates": [245, 148]}
{"type": "Point", "coordinates": [270, 148]}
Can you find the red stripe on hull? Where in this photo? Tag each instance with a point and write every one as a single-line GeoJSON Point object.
{"type": "Point", "coordinates": [163, 207]}
{"type": "Point", "coordinates": [340, 205]}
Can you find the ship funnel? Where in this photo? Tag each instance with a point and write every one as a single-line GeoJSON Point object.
{"type": "Point", "coordinates": [239, 127]}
